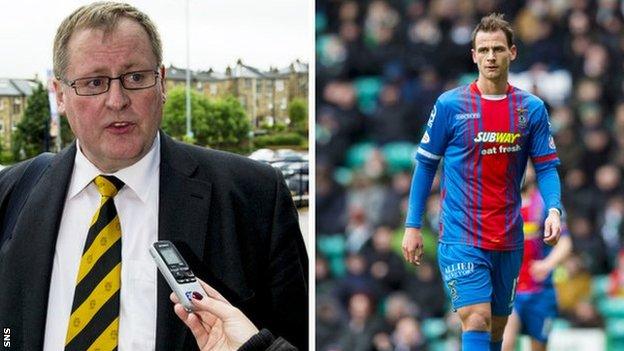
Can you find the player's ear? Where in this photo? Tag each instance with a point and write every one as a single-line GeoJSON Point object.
{"type": "Point", "coordinates": [514, 52]}
{"type": "Point", "coordinates": [474, 55]}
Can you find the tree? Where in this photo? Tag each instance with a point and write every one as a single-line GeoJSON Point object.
{"type": "Point", "coordinates": [174, 122]}
{"type": "Point", "coordinates": [298, 114]}
{"type": "Point", "coordinates": [227, 123]}
{"type": "Point", "coordinates": [220, 123]}
{"type": "Point", "coordinates": [67, 136]}
{"type": "Point", "coordinates": [31, 134]}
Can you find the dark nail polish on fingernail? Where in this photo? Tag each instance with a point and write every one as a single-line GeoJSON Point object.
{"type": "Point", "coordinates": [197, 296]}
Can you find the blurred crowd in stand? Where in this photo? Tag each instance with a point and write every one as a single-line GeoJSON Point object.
{"type": "Point", "coordinates": [380, 65]}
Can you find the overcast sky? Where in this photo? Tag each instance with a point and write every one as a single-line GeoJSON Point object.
{"type": "Point", "coordinates": [262, 33]}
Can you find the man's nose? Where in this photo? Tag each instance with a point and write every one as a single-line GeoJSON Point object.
{"type": "Point", "coordinates": [117, 97]}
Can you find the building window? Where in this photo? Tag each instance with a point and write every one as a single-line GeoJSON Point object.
{"type": "Point", "coordinates": [279, 85]}
{"type": "Point", "coordinates": [17, 106]}
{"type": "Point", "coordinates": [1, 104]}
{"type": "Point", "coordinates": [213, 89]}
{"type": "Point", "coordinates": [200, 86]}
{"type": "Point", "coordinates": [283, 104]}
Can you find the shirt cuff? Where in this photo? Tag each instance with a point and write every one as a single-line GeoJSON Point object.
{"type": "Point", "coordinates": [258, 342]}
{"type": "Point", "coordinates": [556, 209]}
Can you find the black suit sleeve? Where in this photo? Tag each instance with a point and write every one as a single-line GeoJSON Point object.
{"type": "Point", "coordinates": [265, 341]}
{"type": "Point", "coordinates": [288, 271]}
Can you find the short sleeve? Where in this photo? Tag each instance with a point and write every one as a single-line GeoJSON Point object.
{"type": "Point", "coordinates": [434, 141]}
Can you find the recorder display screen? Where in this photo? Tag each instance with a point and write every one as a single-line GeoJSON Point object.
{"type": "Point", "coordinates": [170, 256]}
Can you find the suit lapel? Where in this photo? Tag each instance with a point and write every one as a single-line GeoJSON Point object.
{"type": "Point", "coordinates": [182, 198]}
{"type": "Point", "coordinates": [37, 230]}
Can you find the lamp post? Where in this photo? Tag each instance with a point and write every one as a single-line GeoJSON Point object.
{"type": "Point", "coordinates": [189, 131]}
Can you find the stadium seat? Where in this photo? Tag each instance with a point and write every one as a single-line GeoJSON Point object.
{"type": "Point", "coordinates": [400, 156]}
{"type": "Point", "coordinates": [333, 248]}
{"type": "Point", "coordinates": [611, 307]}
{"type": "Point", "coordinates": [343, 175]}
{"type": "Point", "coordinates": [433, 328]}
{"type": "Point", "coordinates": [438, 345]}
{"type": "Point", "coordinates": [358, 154]}
{"type": "Point", "coordinates": [560, 324]}
{"type": "Point", "coordinates": [367, 89]}
{"type": "Point", "coordinates": [615, 334]}
{"type": "Point", "coordinates": [600, 286]}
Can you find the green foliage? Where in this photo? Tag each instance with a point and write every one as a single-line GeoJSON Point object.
{"type": "Point", "coordinates": [67, 136]}
{"type": "Point", "coordinates": [6, 158]}
{"type": "Point", "coordinates": [298, 114]}
{"type": "Point", "coordinates": [279, 127]}
{"type": "Point", "coordinates": [29, 136]}
{"type": "Point", "coordinates": [284, 139]}
{"type": "Point", "coordinates": [220, 123]}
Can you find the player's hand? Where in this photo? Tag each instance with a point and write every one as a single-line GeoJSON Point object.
{"type": "Point", "coordinates": [412, 246]}
{"type": "Point", "coordinates": [215, 323]}
{"type": "Point", "coordinates": [552, 227]}
{"type": "Point", "coordinates": [539, 270]}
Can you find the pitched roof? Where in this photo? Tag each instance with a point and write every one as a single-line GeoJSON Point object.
{"type": "Point", "coordinates": [244, 71]}
{"type": "Point", "coordinates": [179, 74]}
{"type": "Point", "coordinates": [240, 70]}
{"type": "Point", "coordinates": [16, 87]}
{"type": "Point", "coordinates": [295, 67]}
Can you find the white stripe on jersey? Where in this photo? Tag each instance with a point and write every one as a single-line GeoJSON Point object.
{"type": "Point", "coordinates": [428, 154]}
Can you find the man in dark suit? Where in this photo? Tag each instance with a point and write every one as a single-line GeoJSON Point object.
{"type": "Point", "coordinates": [232, 219]}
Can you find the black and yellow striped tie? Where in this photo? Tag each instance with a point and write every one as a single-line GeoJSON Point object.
{"type": "Point", "coordinates": [94, 320]}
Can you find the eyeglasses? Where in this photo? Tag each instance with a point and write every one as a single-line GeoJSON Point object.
{"type": "Point", "coordinates": [99, 85]}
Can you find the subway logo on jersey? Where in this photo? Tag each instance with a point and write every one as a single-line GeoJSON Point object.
{"type": "Point", "coordinates": [496, 137]}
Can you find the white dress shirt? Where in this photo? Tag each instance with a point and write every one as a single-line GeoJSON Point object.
{"type": "Point", "coordinates": [137, 207]}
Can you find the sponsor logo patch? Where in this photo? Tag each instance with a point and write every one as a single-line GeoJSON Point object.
{"type": "Point", "coordinates": [432, 116]}
{"type": "Point", "coordinates": [551, 143]}
{"type": "Point", "coordinates": [425, 139]}
{"type": "Point", "coordinates": [457, 270]}
{"type": "Point", "coordinates": [496, 137]}
{"type": "Point", "coordinates": [522, 120]}
{"type": "Point", "coordinates": [462, 116]}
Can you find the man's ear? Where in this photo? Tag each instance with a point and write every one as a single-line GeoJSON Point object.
{"type": "Point", "coordinates": [163, 86]}
{"type": "Point", "coordinates": [514, 52]}
{"type": "Point", "coordinates": [60, 95]}
{"type": "Point", "coordinates": [474, 55]}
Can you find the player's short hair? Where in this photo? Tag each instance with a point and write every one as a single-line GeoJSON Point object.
{"type": "Point", "coordinates": [492, 23]}
{"type": "Point", "coordinates": [100, 15]}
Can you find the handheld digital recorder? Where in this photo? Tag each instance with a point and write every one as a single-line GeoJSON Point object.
{"type": "Point", "coordinates": [176, 271]}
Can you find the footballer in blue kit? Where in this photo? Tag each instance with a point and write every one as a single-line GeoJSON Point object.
{"type": "Point", "coordinates": [485, 131]}
{"type": "Point", "coordinates": [535, 306]}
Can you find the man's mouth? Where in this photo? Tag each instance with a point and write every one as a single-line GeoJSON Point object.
{"type": "Point", "coordinates": [120, 127]}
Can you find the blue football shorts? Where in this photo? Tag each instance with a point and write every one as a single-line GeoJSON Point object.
{"type": "Point", "coordinates": [537, 311]}
{"type": "Point", "coordinates": [473, 275]}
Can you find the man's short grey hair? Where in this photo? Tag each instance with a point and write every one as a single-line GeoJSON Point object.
{"type": "Point", "coordinates": [100, 15]}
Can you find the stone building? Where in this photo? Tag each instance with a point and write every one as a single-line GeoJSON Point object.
{"type": "Point", "coordinates": [263, 94]}
{"type": "Point", "coordinates": [13, 96]}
